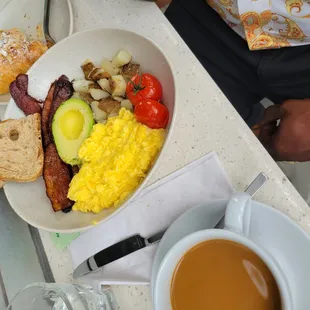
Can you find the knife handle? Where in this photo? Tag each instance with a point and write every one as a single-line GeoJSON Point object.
{"type": "Point", "coordinates": [119, 250]}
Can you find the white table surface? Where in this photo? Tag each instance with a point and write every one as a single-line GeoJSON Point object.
{"type": "Point", "coordinates": [206, 121]}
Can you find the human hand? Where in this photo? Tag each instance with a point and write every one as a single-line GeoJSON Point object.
{"type": "Point", "coordinates": [290, 139]}
{"type": "Point", "coordinates": [162, 3]}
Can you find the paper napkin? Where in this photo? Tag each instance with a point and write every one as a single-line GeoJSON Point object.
{"type": "Point", "coordinates": [154, 210]}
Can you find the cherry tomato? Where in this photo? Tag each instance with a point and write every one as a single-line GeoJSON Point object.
{"type": "Point", "coordinates": [144, 86]}
{"type": "Point", "coordinates": [152, 113]}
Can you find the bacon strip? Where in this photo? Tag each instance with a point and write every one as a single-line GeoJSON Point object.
{"type": "Point", "coordinates": [45, 116]}
{"type": "Point", "coordinates": [22, 82]}
{"type": "Point", "coordinates": [57, 177]}
{"type": "Point", "coordinates": [57, 174]}
{"type": "Point", "coordinates": [63, 91]}
{"type": "Point", "coordinates": [26, 103]}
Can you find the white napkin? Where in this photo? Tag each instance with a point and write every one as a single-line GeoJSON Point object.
{"type": "Point", "coordinates": [153, 211]}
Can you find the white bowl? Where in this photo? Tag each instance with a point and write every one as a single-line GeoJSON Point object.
{"type": "Point", "coordinates": [29, 200]}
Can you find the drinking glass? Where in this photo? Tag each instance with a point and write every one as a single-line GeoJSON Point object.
{"type": "Point", "coordinates": [53, 296]}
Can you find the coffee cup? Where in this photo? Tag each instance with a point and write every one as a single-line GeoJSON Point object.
{"type": "Point", "coordinates": [236, 230]}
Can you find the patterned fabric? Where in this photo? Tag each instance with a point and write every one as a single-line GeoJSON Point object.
{"type": "Point", "coordinates": [267, 24]}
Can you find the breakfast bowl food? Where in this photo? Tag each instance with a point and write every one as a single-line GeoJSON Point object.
{"type": "Point", "coordinates": [85, 79]}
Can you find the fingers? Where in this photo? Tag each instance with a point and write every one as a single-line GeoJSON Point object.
{"type": "Point", "coordinates": [273, 114]}
{"type": "Point", "coordinates": [162, 3]}
{"type": "Point", "coordinates": [266, 134]}
{"type": "Point", "coordinates": [289, 139]}
{"type": "Point", "coordinates": [256, 130]}
{"type": "Point", "coordinates": [266, 129]}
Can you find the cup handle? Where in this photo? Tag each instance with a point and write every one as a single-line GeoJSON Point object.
{"type": "Point", "coordinates": [238, 214]}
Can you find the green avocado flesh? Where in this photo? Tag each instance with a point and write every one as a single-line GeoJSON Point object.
{"type": "Point", "coordinates": [72, 124]}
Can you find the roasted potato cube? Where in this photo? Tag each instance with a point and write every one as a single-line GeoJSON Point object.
{"type": "Point", "coordinates": [98, 94]}
{"type": "Point", "coordinates": [118, 86]}
{"type": "Point", "coordinates": [105, 85]}
{"type": "Point", "coordinates": [108, 105]}
{"type": "Point", "coordinates": [84, 96]}
{"type": "Point", "coordinates": [127, 105]}
{"type": "Point", "coordinates": [120, 99]}
{"type": "Point", "coordinates": [129, 71]}
{"type": "Point", "coordinates": [82, 86]}
{"type": "Point", "coordinates": [98, 74]}
{"type": "Point", "coordinates": [99, 114]}
{"type": "Point", "coordinates": [107, 66]}
{"type": "Point", "coordinates": [87, 68]}
{"type": "Point", "coordinates": [122, 58]}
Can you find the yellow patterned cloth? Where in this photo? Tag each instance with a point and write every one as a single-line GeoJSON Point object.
{"type": "Point", "coordinates": [267, 24]}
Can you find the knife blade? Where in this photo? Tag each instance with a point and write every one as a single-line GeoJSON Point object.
{"type": "Point", "coordinates": [115, 252]}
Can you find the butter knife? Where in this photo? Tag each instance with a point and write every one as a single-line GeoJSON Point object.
{"type": "Point", "coordinates": [115, 252]}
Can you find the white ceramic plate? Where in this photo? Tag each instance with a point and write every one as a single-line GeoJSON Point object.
{"type": "Point", "coordinates": [28, 14]}
{"type": "Point", "coordinates": [29, 200]}
{"type": "Point", "coordinates": [273, 231]}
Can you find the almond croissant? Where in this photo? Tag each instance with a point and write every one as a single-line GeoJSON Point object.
{"type": "Point", "coordinates": [17, 55]}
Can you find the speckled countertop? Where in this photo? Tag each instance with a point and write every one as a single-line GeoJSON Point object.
{"type": "Point", "coordinates": [206, 121]}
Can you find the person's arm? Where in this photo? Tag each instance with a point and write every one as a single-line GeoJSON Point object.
{"type": "Point", "coordinates": [162, 3]}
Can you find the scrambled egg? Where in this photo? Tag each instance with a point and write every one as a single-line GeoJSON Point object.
{"type": "Point", "coordinates": [116, 158]}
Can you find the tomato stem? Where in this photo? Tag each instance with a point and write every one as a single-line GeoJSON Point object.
{"type": "Point", "coordinates": [137, 87]}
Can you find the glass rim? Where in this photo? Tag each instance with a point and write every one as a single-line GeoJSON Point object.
{"type": "Point", "coordinates": [42, 285]}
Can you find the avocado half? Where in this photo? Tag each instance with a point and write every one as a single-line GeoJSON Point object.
{"type": "Point", "coordinates": [72, 124]}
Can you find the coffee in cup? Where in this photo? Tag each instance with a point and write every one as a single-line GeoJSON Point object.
{"type": "Point", "coordinates": [222, 274]}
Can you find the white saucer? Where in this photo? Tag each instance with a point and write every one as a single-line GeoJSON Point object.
{"type": "Point", "coordinates": [26, 15]}
{"type": "Point", "coordinates": [269, 228]}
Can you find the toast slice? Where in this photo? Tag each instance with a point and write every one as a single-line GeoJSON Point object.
{"type": "Point", "coordinates": [21, 152]}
